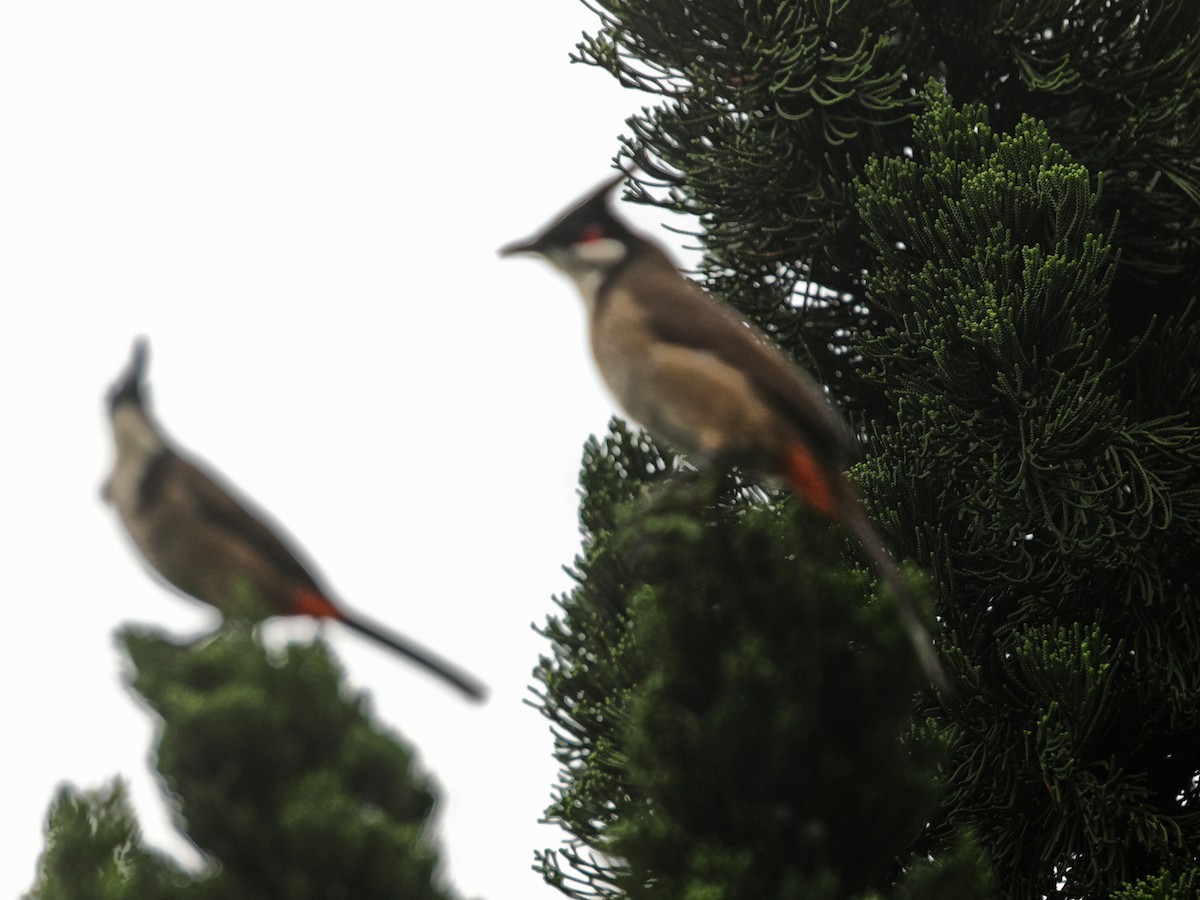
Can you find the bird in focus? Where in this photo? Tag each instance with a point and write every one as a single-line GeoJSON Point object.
{"type": "Point", "coordinates": [208, 543]}
{"type": "Point", "coordinates": [698, 376]}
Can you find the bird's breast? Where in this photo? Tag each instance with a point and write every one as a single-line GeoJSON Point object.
{"type": "Point", "coordinates": [688, 394]}
{"type": "Point", "coordinates": [621, 344]}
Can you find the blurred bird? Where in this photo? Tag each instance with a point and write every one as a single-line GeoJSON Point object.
{"type": "Point", "coordinates": [208, 543]}
{"type": "Point", "coordinates": [698, 376]}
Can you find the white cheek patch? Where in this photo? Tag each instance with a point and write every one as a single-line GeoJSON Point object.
{"type": "Point", "coordinates": [600, 252]}
{"type": "Point", "coordinates": [588, 263]}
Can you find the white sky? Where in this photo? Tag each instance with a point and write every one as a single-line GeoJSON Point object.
{"type": "Point", "coordinates": [299, 204]}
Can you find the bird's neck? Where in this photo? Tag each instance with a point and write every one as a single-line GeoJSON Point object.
{"type": "Point", "coordinates": [591, 265]}
{"type": "Point", "coordinates": [135, 435]}
{"type": "Point", "coordinates": [590, 283]}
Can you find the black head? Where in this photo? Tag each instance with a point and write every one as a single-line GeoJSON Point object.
{"type": "Point", "coordinates": [586, 221]}
{"type": "Point", "coordinates": [129, 388]}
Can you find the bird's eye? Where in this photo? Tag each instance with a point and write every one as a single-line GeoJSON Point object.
{"type": "Point", "coordinates": [591, 233]}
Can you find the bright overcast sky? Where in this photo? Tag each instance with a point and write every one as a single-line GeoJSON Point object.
{"type": "Point", "coordinates": [299, 204]}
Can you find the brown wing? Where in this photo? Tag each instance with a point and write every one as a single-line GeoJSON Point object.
{"type": "Point", "coordinates": [219, 508]}
{"type": "Point", "coordinates": [688, 316]}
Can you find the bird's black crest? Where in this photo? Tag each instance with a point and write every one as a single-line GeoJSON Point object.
{"type": "Point", "coordinates": [129, 388]}
{"type": "Point", "coordinates": [586, 219]}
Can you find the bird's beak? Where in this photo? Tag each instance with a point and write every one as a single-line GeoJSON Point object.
{"type": "Point", "coordinates": [525, 245]}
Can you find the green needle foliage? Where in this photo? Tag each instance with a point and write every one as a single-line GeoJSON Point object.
{"type": "Point", "coordinates": [999, 289]}
{"type": "Point", "coordinates": [278, 777]}
{"type": "Point", "coordinates": [1059, 520]}
{"type": "Point", "coordinates": [708, 688]}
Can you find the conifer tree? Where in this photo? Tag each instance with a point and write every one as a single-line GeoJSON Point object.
{"type": "Point", "coordinates": [978, 224]}
{"type": "Point", "coordinates": [277, 776]}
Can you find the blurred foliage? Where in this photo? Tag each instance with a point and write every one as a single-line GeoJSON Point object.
{"type": "Point", "coordinates": [95, 851]}
{"type": "Point", "coordinates": [277, 775]}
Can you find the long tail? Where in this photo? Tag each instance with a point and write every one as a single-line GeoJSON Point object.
{"type": "Point", "coordinates": [422, 657]}
{"type": "Point", "coordinates": [315, 605]}
{"type": "Point", "coordinates": [854, 517]}
{"type": "Point", "coordinates": [834, 497]}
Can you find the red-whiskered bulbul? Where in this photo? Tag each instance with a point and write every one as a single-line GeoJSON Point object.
{"type": "Point", "coordinates": [206, 542]}
{"type": "Point", "coordinates": [700, 377]}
